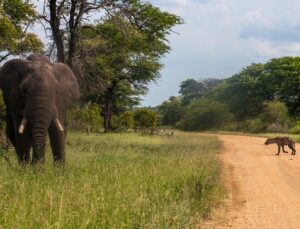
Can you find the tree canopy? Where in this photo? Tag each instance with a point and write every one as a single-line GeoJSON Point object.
{"type": "Point", "coordinates": [261, 97]}
{"type": "Point", "coordinates": [15, 18]}
{"type": "Point", "coordinates": [116, 54]}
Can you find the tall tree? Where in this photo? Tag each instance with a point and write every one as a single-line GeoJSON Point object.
{"type": "Point", "coordinates": [171, 111]}
{"type": "Point", "coordinates": [280, 81]}
{"type": "Point", "coordinates": [66, 19]}
{"type": "Point", "coordinates": [192, 89]}
{"type": "Point", "coordinates": [15, 18]}
{"type": "Point", "coordinates": [116, 53]}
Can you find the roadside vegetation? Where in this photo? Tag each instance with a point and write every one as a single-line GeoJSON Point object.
{"type": "Point", "coordinates": [115, 181]}
{"type": "Point", "coordinates": [261, 98]}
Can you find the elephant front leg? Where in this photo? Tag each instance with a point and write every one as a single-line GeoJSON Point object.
{"type": "Point", "coordinates": [57, 141]}
{"type": "Point", "coordinates": [21, 142]}
{"type": "Point", "coordinates": [23, 146]}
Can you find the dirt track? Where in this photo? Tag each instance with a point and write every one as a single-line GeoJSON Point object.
{"type": "Point", "coordinates": [264, 189]}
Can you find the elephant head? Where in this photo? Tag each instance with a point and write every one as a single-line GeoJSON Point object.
{"type": "Point", "coordinates": [37, 94]}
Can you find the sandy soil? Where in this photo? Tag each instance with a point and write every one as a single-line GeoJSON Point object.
{"type": "Point", "coordinates": [264, 189]}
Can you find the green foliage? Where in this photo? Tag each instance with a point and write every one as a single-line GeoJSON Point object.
{"type": "Point", "coordinates": [191, 89]}
{"type": "Point", "coordinates": [123, 121]}
{"type": "Point", "coordinates": [123, 52]}
{"type": "Point", "coordinates": [204, 114]}
{"type": "Point", "coordinates": [241, 93]}
{"type": "Point", "coordinates": [87, 116]}
{"type": "Point", "coordinates": [280, 81]}
{"type": "Point", "coordinates": [144, 118]}
{"type": "Point", "coordinates": [171, 111]}
{"type": "Point", "coordinates": [116, 181]}
{"type": "Point", "coordinates": [15, 16]}
{"type": "Point", "coordinates": [275, 116]}
{"type": "Point", "coordinates": [247, 92]}
{"type": "Point", "coordinates": [295, 129]}
{"type": "Point", "coordinates": [255, 125]}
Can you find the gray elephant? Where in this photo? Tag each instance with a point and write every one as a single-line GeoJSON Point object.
{"type": "Point", "coordinates": [37, 95]}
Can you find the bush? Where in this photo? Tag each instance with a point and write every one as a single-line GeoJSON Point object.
{"type": "Point", "coordinates": [295, 129]}
{"type": "Point", "coordinates": [144, 118]}
{"type": "Point", "coordinates": [275, 116]}
{"type": "Point", "coordinates": [86, 117]}
{"type": "Point", "coordinates": [171, 111]}
{"type": "Point", "coordinates": [255, 125]}
{"type": "Point", "coordinates": [204, 114]}
{"type": "Point", "coordinates": [123, 122]}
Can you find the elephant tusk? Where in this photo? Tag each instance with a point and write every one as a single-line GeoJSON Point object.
{"type": "Point", "coordinates": [22, 126]}
{"type": "Point", "coordinates": [58, 124]}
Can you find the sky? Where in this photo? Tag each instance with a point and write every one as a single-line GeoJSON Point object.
{"type": "Point", "coordinates": [220, 37]}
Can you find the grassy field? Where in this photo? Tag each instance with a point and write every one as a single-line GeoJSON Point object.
{"type": "Point", "coordinates": [115, 181]}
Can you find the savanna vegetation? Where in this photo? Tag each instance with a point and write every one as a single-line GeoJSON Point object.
{"type": "Point", "coordinates": [260, 98]}
{"type": "Point", "coordinates": [112, 180]}
{"type": "Point", "coordinates": [115, 181]}
{"type": "Point", "coordinates": [125, 179]}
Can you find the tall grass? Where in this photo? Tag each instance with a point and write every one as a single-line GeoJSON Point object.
{"type": "Point", "coordinates": [115, 181]}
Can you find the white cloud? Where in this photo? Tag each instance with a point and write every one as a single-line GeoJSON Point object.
{"type": "Point", "coordinates": [256, 17]}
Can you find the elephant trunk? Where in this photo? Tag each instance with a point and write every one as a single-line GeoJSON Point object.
{"type": "Point", "coordinates": [40, 121]}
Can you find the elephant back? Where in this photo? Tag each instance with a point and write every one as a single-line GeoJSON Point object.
{"type": "Point", "coordinates": [38, 57]}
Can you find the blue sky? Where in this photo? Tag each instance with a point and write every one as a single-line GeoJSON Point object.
{"type": "Point", "coordinates": [220, 37]}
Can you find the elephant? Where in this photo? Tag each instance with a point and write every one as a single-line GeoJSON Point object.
{"type": "Point", "coordinates": [37, 94]}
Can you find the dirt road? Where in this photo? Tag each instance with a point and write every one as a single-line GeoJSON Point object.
{"type": "Point", "coordinates": [264, 189]}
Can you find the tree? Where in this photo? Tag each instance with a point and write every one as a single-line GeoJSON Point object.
{"type": "Point", "coordinates": [280, 81]}
{"type": "Point", "coordinates": [123, 121]}
{"type": "Point", "coordinates": [204, 114]}
{"type": "Point", "coordinates": [191, 89]}
{"type": "Point", "coordinates": [117, 55]}
{"type": "Point", "coordinates": [67, 18]}
{"type": "Point", "coordinates": [87, 116]}
{"type": "Point", "coordinates": [242, 93]}
{"type": "Point", "coordinates": [15, 17]}
{"type": "Point", "coordinates": [275, 115]}
{"type": "Point", "coordinates": [144, 118]}
{"type": "Point", "coordinates": [171, 111]}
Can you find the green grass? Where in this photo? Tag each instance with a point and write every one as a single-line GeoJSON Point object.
{"type": "Point", "coordinates": [115, 181]}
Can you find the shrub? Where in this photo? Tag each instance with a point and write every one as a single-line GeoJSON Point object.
{"type": "Point", "coordinates": [145, 118]}
{"type": "Point", "coordinates": [123, 122]}
{"type": "Point", "coordinates": [255, 125]}
{"type": "Point", "coordinates": [204, 114]}
{"type": "Point", "coordinates": [295, 129]}
{"type": "Point", "coordinates": [275, 116]}
{"type": "Point", "coordinates": [85, 117]}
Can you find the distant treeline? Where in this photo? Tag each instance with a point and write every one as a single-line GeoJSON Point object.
{"type": "Point", "coordinates": [260, 98]}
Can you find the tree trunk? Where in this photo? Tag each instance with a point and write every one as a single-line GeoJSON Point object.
{"type": "Point", "coordinates": [107, 114]}
{"type": "Point", "coordinates": [56, 33]}
{"type": "Point", "coordinates": [73, 34]}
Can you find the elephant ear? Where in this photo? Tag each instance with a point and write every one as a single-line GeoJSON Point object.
{"type": "Point", "coordinates": [68, 89]}
{"type": "Point", "coordinates": [13, 72]}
